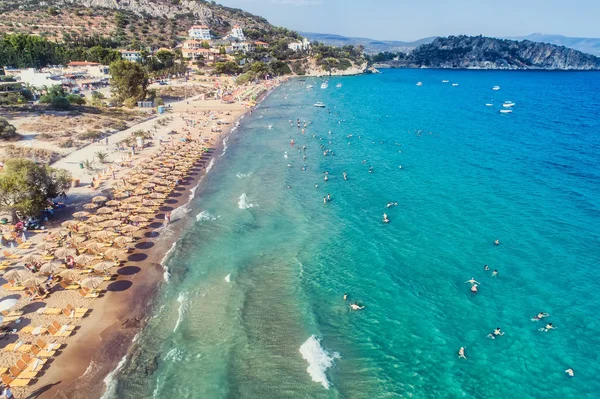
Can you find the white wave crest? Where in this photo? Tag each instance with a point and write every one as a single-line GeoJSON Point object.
{"type": "Point", "coordinates": [205, 215]}
{"type": "Point", "coordinates": [319, 360]}
{"type": "Point", "coordinates": [166, 274]}
{"type": "Point", "coordinates": [210, 165]}
{"type": "Point", "coordinates": [175, 355]}
{"type": "Point", "coordinates": [182, 299]}
{"type": "Point", "coordinates": [109, 380]}
{"type": "Point", "coordinates": [244, 203]}
{"type": "Point", "coordinates": [243, 175]}
{"type": "Point", "coordinates": [225, 140]}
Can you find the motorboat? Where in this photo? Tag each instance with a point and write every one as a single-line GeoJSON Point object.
{"type": "Point", "coordinates": [508, 104]}
{"type": "Point", "coordinates": [324, 85]}
{"type": "Point", "coordinates": [489, 105]}
{"type": "Point", "coordinates": [445, 81]}
{"type": "Point", "coordinates": [496, 88]}
{"type": "Point", "coordinates": [454, 84]}
{"type": "Point", "coordinates": [419, 83]}
{"type": "Point", "coordinates": [309, 86]}
{"type": "Point", "coordinates": [319, 104]}
{"type": "Point", "coordinates": [505, 111]}
{"type": "Point", "coordinates": [338, 85]}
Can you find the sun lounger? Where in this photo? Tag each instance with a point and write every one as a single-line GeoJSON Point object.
{"type": "Point", "coordinates": [10, 255]}
{"type": "Point", "coordinates": [64, 327]}
{"type": "Point", "coordinates": [39, 330]}
{"type": "Point", "coordinates": [13, 382]}
{"type": "Point", "coordinates": [59, 332]}
{"type": "Point", "coordinates": [77, 310]}
{"type": "Point", "coordinates": [48, 257]}
{"type": "Point", "coordinates": [34, 367]}
{"type": "Point", "coordinates": [6, 313]}
{"type": "Point", "coordinates": [88, 294]}
{"type": "Point", "coordinates": [11, 287]}
{"type": "Point", "coordinates": [33, 363]}
{"type": "Point", "coordinates": [18, 347]}
{"type": "Point", "coordinates": [72, 314]}
{"type": "Point", "coordinates": [67, 286]}
{"type": "Point", "coordinates": [16, 373]}
{"type": "Point", "coordinates": [50, 311]}
{"type": "Point", "coordinates": [42, 353]}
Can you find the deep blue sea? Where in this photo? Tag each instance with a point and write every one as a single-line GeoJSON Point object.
{"type": "Point", "coordinates": [254, 308]}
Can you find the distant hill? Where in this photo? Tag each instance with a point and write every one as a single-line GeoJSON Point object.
{"type": "Point", "coordinates": [586, 45]}
{"type": "Point", "coordinates": [371, 46]}
{"type": "Point", "coordinates": [478, 52]}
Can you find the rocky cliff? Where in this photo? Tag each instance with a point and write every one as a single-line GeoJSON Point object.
{"type": "Point", "coordinates": [467, 52]}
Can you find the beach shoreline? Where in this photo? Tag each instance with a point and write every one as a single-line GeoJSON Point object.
{"type": "Point", "coordinates": [105, 340]}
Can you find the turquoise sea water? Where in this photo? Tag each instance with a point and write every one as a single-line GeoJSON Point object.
{"type": "Point", "coordinates": [279, 328]}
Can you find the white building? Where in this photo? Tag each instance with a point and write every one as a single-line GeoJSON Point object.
{"type": "Point", "coordinates": [131, 55]}
{"type": "Point", "coordinates": [40, 79]}
{"type": "Point", "coordinates": [237, 32]}
{"type": "Point", "coordinates": [299, 46]}
{"type": "Point", "coordinates": [199, 32]}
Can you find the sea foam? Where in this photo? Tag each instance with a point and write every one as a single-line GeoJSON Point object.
{"type": "Point", "coordinates": [205, 215]}
{"type": "Point", "coordinates": [319, 360]}
{"type": "Point", "coordinates": [243, 175]}
{"type": "Point", "coordinates": [225, 140]}
{"type": "Point", "coordinates": [244, 203]}
{"type": "Point", "coordinates": [109, 380]}
{"type": "Point", "coordinates": [210, 165]}
{"type": "Point", "coordinates": [164, 260]}
{"type": "Point", "coordinates": [182, 299]}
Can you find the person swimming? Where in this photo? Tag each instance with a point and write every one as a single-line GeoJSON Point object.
{"type": "Point", "coordinates": [474, 289]}
{"type": "Point", "coordinates": [385, 218]}
{"type": "Point", "coordinates": [370, 169]}
{"type": "Point", "coordinates": [539, 316]}
{"type": "Point", "coordinates": [548, 327]}
{"type": "Point", "coordinates": [461, 353]}
{"type": "Point", "coordinates": [316, 185]}
{"type": "Point", "coordinates": [495, 273]}
{"type": "Point", "coordinates": [288, 187]}
{"type": "Point", "coordinates": [325, 200]}
{"type": "Point", "coordinates": [497, 242]}
{"type": "Point", "coordinates": [497, 333]}
{"type": "Point", "coordinates": [325, 178]}
{"type": "Point", "coordinates": [356, 306]}
{"type": "Point", "coordinates": [486, 268]}
{"type": "Point", "coordinates": [570, 372]}
{"type": "Point", "coordinates": [345, 296]}
{"type": "Point", "coordinates": [472, 281]}
{"type": "Point", "coordinates": [328, 197]}
{"type": "Point", "coordinates": [345, 175]}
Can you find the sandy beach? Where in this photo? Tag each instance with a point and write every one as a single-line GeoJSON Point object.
{"type": "Point", "coordinates": [102, 338]}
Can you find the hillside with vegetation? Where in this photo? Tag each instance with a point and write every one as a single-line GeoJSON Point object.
{"type": "Point", "coordinates": [478, 52]}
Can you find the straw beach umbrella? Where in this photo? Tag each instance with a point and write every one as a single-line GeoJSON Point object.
{"type": "Point", "coordinates": [103, 266]}
{"type": "Point", "coordinates": [81, 214]}
{"type": "Point", "coordinates": [99, 198]}
{"type": "Point", "coordinates": [86, 228]}
{"type": "Point", "coordinates": [90, 206]}
{"type": "Point", "coordinates": [111, 223]}
{"type": "Point", "coordinates": [17, 274]}
{"type": "Point", "coordinates": [94, 246]}
{"type": "Point", "coordinates": [51, 267]}
{"type": "Point", "coordinates": [129, 228]}
{"type": "Point", "coordinates": [33, 281]}
{"type": "Point", "coordinates": [113, 253]}
{"type": "Point", "coordinates": [104, 234]}
{"type": "Point", "coordinates": [84, 259]}
{"type": "Point", "coordinates": [92, 282]}
{"type": "Point", "coordinates": [64, 252]}
{"type": "Point", "coordinates": [104, 211]}
{"type": "Point", "coordinates": [69, 274]}
{"type": "Point", "coordinates": [113, 203]}
{"type": "Point", "coordinates": [46, 246]}
{"type": "Point", "coordinates": [31, 258]}
{"type": "Point", "coordinates": [68, 223]}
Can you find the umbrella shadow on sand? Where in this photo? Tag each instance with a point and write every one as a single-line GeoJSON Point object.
{"type": "Point", "coordinates": [119, 286]}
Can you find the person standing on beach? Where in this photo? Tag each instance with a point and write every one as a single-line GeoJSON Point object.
{"type": "Point", "coordinates": [167, 218]}
{"type": "Point", "coordinates": [7, 393]}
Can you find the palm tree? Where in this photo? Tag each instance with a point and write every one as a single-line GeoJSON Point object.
{"type": "Point", "coordinates": [102, 157]}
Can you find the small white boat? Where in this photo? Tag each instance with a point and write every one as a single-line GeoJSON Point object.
{"type": "Point", "coordinates": [309, 86]}
{"type": "Point", "coordinates": [508, 104]}
{"type": "Point", "coordinates": [319, 105]}
{"type": "Point", "coordinates": [338, 85]}
{"type": "Point", "coordinates": [445, 81]}
{"type": "Point", "coordinates": [324, 85]}
{"type": "Point", "coordinates": [419, 83]}
{"type": "Point", "coordinates": [496, 88]}
{"type": "Point", "coordinates": [505, 111]}
{"type": "Point", "coordinates": [489, 105]}
{"type": "Point", "coordinates": [454, 84]}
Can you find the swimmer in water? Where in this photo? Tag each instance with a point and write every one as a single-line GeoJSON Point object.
{"type": "Point", "coordinates": [548, 327]}
{"type": "Point", "coordinates": [328, 197]}
{"type": "Point", "coordinates": [385, 218]}
{"type": "Point", "coordinates": [472, 281]}
{"type": "Point", "coordinates": [495, 273]}
{"type": "Point", "coordinates": [539, 316]}
{"type": "Point", "coordinates": [289, 165]}
{"type": "Point", "coordinates": [497, 242]}
{"type": "Point", "coordinates": [325, 200]}
{"type": "Point", "coordinates": [364, 161]}
{"type": "Point", "coordinates": [486, 268]}
{"type": "Point", "coordinates": [316, 185]}
{"type": "Point", "coordinates": [325, 178]}
{"type": "Point", "coordinates": [288, 187]}
{"type": "Point", "coordinates": [345, 296]}
{"type": "Point", "coordinates": [461, 353]}
{"type": "Point", "coordinates": [356, 306]}
{"type": "Point", "coordinates": [345, 176]}
{"type": "Point", "coordinates": [570, 372]}
{"type": "Point", "coordinates": [474, 289]}
{"type": "Point", "coordinates": [497, 333]}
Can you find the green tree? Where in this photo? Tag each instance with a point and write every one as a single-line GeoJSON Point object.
{"type": "Point", "coordinates": [75, 99]}
{"type": "Point", "coordinates": [7, 131]}
{"type": "Point", "coordinates": [60, 103]}
{"type": "Point", "coordinates": [229, 68]}
{"type": "Point", "coordinates": [25, 187]}
{"type": "Point", "coordinates": [166, 58]}
{"type": "Point", "coordinates": [129, 81]}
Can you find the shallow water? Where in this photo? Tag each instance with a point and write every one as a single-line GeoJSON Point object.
{"type": "Point", "coordinates": [280, 328]}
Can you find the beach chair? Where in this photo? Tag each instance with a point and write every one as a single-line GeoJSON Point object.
{"type": "Point", "coordinates": [77, 310]}
{"type": "Point", "coordinates": [73, 314]}
{"type": "Point", "coordinates": [17, 347]}
{"type": "Point", "coordinates": [88, 293]}
{"type": "Point", "coordinates": [28, 368]}
{"type": "Point", "coordinates": [64, 327]}
{"type": "Point", "coordinates": [48, 257]}
{"type": "Point", "coordinates": [10, 287]}
{"type": "Point", "coordinates": [37, 351]}
{"type": "Point", "coordinates": [6, 313]}
{"type": "Point", "coordinates": [69, 285]}
{"type": "Point", "coordinates": [50, 311]}
{"type": "Point", "coordinates": [58, 333]}
{"type": "Point", "coordinates": [39, 330]}
{"type": "Point", "coordinates": [10, 255]}
{"type": "Point", "coordinates": [13, 382]}
{"type": "Point", "coordinates": [33, 363]}
{"type": "Point", "coordinates": [16, 373]}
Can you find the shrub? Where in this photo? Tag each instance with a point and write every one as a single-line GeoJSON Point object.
{"type": "Point", "coordinates": [158, 101]}
{"type": "Point", "coordinates": [45, 136]}
{"type": "Point", "coordinates": [90, 135]}
{"type": "Point", "coordinates": [75, 99]}
{"type": "Point", "coordinates": [7, 131]}
{"type": "Point", "coordinates": [68, 143]}
{"type": "Point", "coordinates": [129, 103]}
{"type": "Point", "coordinates": [60, 103]}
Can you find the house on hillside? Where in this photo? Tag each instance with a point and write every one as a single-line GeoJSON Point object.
{"type": "Point", "coordinates": [199, 32]}
{"type": "Point", "coordinates": [192, 45]}
{"type": "Point", "coordinates": [237, 33]}
{"type": "Point", "coordinates": [131, 55]}
{"type": "Point", "coordinates": [300, 46]}
{"type": "Point", "coordinates": [195, 54]}
{"type": "Point", "coordinates": [261, 44]}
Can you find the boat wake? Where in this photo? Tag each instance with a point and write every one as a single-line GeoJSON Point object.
{"type": "Point", "coordinates": [319, 360]}
{"type": "Point", "coordinates": [182, 299]}
{"type": "Point", "coordinates": [244, 203]}
{"type": "Point", "coordinates": [243, 175]}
